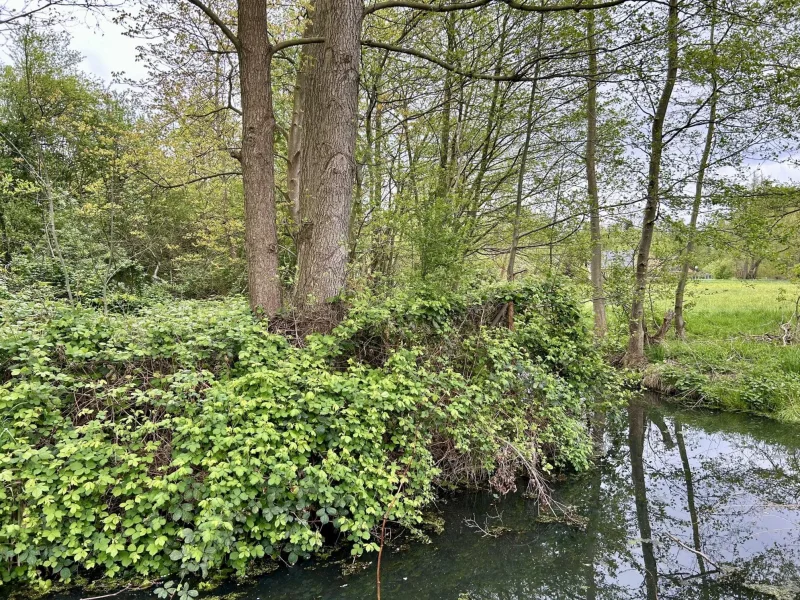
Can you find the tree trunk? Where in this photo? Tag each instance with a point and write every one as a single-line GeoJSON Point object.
{"type": "Point", "coordinates": [596, 270]}
{"type": "Point", "coordinates": [512, 255]}
{"type": "Point", "coordinates": [295, 141]}
{"type": "Point", "coordinates": [492, 127]}
{"type": "Point", "coordinates": [330, 122]}
{"type": "Point", "coordinates": [635, 352]}
{"type": "Point", "coordinates": [752, 271]}
{"type": "Point", "coordinates": [680, 323]}
{"type": "Point", "coordinates": [51, 222]}
{"type": "Point", "coordinates": [443, 185]}
{"type": "Point", "coordinates": [6, 249]}
{"type": "Point", "coordinates": [258, 161]}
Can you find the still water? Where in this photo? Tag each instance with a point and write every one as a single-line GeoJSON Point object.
{"type": "Point", "coordinates": [683, 505]}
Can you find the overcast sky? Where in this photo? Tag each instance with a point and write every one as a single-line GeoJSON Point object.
{"type": "Point", "coordinates": [101, 42]}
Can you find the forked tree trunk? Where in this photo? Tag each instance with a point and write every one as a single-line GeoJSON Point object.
{"type": "Point", "coordinates": [258, 168]}
{"type": "Point", "coordinates": [327, 165]}
{"type": "Point", "coordinates": [596, 270]}
{"type": "Point", "coordinates": [680, 323]}
{"type": "Point", "coordinates": [635, 352]}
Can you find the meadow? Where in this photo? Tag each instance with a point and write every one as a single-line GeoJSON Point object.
{"type": "Point", "coordinates": [734, 356]}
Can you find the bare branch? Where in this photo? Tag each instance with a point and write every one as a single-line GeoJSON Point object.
{"type": "Point", "coordinates": [443, 64]}
{"type": "Point", "coordinates": [219, 23]}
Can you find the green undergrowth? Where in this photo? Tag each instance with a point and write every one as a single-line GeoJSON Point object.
{"type": "Point", "coordinates": [185, 438]}
{"type": "Point", "coordinates": [733, 357]}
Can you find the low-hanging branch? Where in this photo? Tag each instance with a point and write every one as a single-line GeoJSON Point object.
{"type": "Point", "coordinates": [515, 4]}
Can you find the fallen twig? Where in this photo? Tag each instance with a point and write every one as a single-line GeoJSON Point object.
{"type": "Point", "coordinates": [694, 550]}
{"type": "Point", "coordinates": [108, 595]}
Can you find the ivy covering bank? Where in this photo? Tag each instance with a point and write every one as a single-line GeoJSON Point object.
{"type": "Point", "coordinates": [186, 437]}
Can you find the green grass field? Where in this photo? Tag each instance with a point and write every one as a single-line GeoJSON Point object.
{"type": "Point", "coordinates": [733, 357]}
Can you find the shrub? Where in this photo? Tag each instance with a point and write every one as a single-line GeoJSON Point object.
{"type": "Point", "coordinates": [187, 437]}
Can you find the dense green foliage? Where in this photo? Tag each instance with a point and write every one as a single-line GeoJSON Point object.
{"type": "Point", "coordinates": [186, 436]}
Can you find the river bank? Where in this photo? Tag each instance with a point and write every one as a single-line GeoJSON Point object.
{"type": "Point", "coordinates": [683, 504]}
{"type": "Point", "coordinates": [186, 440]}
{"type": "Point", "coordinates": [736, 356]}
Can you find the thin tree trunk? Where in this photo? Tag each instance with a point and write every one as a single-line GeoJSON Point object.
{"type": "Point", "coordinates": [554, 220]}
{"type": "Point", "coordinates": [6, 236]}
{"type": "Point", "coordinates": [330, 122]}
{"type": "Point", "coordinates": [512, 255]}
{"type": "Point", "coordinates": [680, 323]}
{"type": "Point", "coordinates": [491, 123]}
{"type": "Point", "coordinates": [596, 270]}
{"type": "Point", "coordinates": [447, 105]}
{"type": "Point", "coordinates": [258, 160]}
{"type": "Point", "coordinates": [635, 352]}
{"type": "Point", "coordinates": [51, 221]}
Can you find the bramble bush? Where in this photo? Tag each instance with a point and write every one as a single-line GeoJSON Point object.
{"type": "Point", "coordinates": [187, 437]}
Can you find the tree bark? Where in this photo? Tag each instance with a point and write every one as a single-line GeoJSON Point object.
{"type": "Point", "coordinates": [295, 141]}
{"type": "Point", "coordinates": [330, 122]}
{"type": "Point", "coordinates": [680, 323]}
{"type": "Point", "coordinates": [258, 160]}
{"type": "Point", "coordinates": [596, 270]}
{"type": "Point", "coordinates": [635, 352]}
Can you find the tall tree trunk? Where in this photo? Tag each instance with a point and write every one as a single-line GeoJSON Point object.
{"type": "Point", "coordinates": [596, 270]}
{"type": "Point", "coordinates": [51, 222]}
{"type": "Point", "coordinates": [512, 255]}
{"type": "Point", "coordinates": [443, 186]}
{"type": "Point", "coordinates": [295, 141]}
{"type": "Point", "coordinates": [330, 122]}
{"type": "Point", "coordinates": [635, 352]}
{"type": "Point", "coordinates": [680, 323]}
{"type": "Point", "coordinates": [258, 160]}
{"type": "Point", "coordinates": [490, 137]}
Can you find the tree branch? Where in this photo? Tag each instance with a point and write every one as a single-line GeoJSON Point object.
{"type": "Point", "coordinates": [515, 4]}
{"type": "Point", "coordinates": [443, 64]}
{"type": "Point", "coordinates": [172, 186]}
{"type": "Point", "coordinates": [219, 23]}
{"type": "Point", "coordinates": [296, 42]}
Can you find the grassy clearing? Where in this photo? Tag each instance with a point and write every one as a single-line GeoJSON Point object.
{"type": "Point", "coordinates": [729, 359]}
